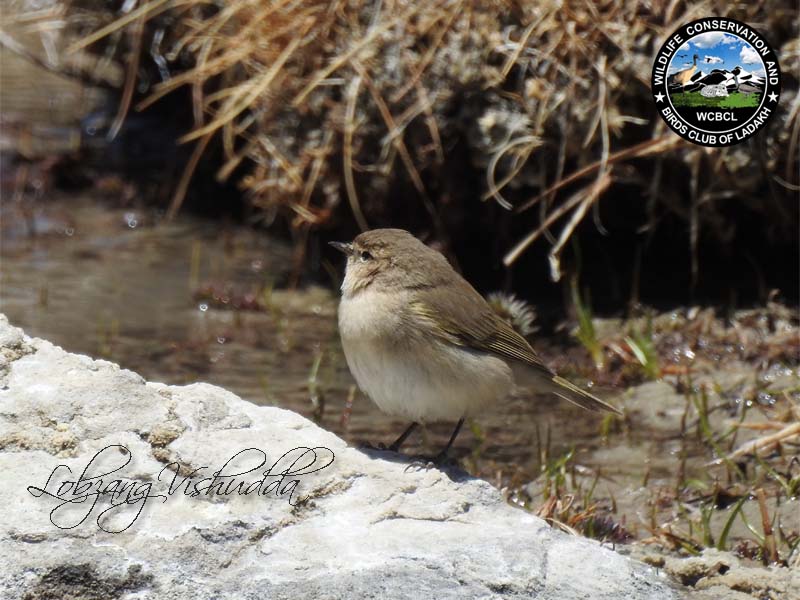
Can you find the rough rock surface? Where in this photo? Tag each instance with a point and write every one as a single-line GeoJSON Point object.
{"type": "Point", "coordinates": [360, 527]}
{"type": "Point", "coordinates": [715, 574]}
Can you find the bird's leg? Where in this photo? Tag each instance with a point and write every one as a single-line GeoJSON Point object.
{"type": "Point", "coordinates": [395, 446]}
{"type": "Point", "coordinates": [442, 456]}
{"type": "Point", "coordinates": [440, 459]}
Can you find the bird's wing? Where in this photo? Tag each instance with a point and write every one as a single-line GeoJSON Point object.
{"type": "Point", "coordinates": [459, 315]}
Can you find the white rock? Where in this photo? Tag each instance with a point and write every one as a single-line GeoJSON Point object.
{"type": "Point", "coordinates": [368, 528]}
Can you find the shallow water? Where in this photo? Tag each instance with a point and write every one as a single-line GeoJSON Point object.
{"type": "Point", "coordinates": [109, 283]}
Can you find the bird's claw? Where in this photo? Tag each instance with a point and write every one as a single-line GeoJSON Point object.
{"type": "Point", "coordinates": [420, 464]}
{"type": "Point", "coordinates": [379, 446]}
{"type": "Point", "coordinates": [427, 462]}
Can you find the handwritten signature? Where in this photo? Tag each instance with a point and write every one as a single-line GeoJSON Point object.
{"type": "Point", "coordinates": [97, 488]}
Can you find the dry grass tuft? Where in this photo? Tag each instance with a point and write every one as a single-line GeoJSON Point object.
{"type": "Point", "coordinates": [550, 99]}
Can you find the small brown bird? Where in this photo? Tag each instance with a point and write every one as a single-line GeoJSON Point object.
{"type": "Point", "coordinates": [422, 343]}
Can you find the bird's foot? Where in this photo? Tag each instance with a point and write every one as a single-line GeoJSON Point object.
{"type": "Point", "coordinates": [420, 464]}
{"type": "Point", "coordinates": [392, 447]}
{"type": "Point", "coordinates": [380, 447]}
{"type": "Point", "coordinates": [426, 463]}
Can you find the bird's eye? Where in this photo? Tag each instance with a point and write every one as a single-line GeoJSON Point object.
{"type": "Point", "coordinates": [365, 256]}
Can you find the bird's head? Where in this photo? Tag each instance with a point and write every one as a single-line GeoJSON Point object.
{"type": "Point", "coordinates": [390, 260]}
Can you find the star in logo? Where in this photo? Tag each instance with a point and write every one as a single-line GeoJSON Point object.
{"type": "Point", "coordinates": [659, 97]}
{"type": "Point", "coordinates": [773, 97]}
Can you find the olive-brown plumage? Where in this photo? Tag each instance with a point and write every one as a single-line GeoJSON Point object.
{"type": "Point", "coordinates": [421, 342]}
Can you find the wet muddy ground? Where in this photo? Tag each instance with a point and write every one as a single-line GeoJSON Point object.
{"type": "Point", "coordinates": [192, 300]}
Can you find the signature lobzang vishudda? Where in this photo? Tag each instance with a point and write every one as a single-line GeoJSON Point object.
{"type": "Point", "coordinates": [118, 501]}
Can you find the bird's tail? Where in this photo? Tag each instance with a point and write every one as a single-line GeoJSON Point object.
{"type": "Point", "coordinates": [572, 393]}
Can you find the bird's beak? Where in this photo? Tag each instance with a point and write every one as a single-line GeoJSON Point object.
{"type": "Point", "coordinates": [342, 247]}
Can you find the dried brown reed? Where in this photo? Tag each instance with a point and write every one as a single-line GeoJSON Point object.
{"type": "Point", "coordinates": [321, 99]}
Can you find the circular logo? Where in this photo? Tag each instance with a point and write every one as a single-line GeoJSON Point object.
{"type": "Point", "coordinates": [716, 81]}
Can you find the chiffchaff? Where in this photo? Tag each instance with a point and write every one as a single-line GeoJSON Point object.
{"type": "Point", "coordinates": [422, 343]}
